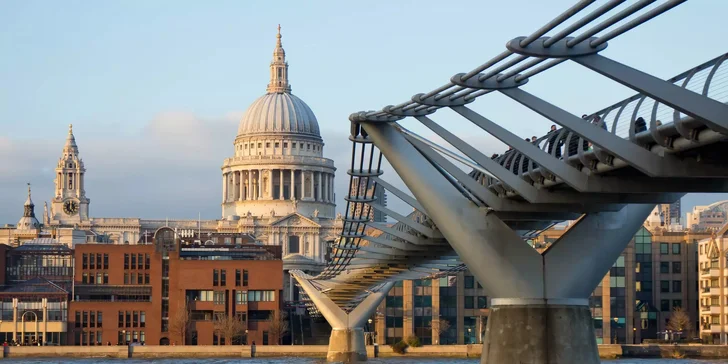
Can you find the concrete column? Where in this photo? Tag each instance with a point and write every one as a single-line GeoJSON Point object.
{"type": "Point", "coordinates": [259, 190]}
{"type": "Point", "coordinates": [325, 187]}
{"type": "Point", "coordinates": [249, 192]}
{"type": "Point", "coordinates": [15, 319]}
{"type": "Point", "coordinates": [303, 185]}
{"type": "Point", "coordinates": [318, 186]}
{"type": "Point", "coordinates": [241, 193]}
{"type": "Point", "coordinates": [280, 186]}
{"type": "Point", "coordinates": [332, 193]}
{"type": "Point", "coordinates": [346, 343]}
{"type": "Point", "coordinates": [224, 187]}
{"type": "Point", "coordinates": [293, 184]}
{"type": "Point", "coordinates": [45, 319]}
{"type": "Point", "coordinates": [269, 174]}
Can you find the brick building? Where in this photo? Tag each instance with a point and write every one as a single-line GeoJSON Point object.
{"type": "Point", "coordinates": [152, 293]}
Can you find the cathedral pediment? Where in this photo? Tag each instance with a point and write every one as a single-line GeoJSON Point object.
{"type": "Point", "coordinates": [295, 220]}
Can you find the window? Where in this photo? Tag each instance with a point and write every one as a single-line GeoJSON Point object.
{"type": "Point", "coordinates": [146, 261]}
{"type": "Point", "coordinates": [260, 145]}
{"type": "Point", "coordinates": [85, 319]}
{"type": "Point", "coordinates": [142, 320]}
{"type": "Point", "coordinates": [133, 261]}
{"type": "Point", "coordinates": [665, 286]}
{"type": "Point", "coordinates": [469, 302]}
{"type": "Point", "coordinates": [106, 278]}
{"type": "Point", "coordinates": [482, 302]}
{"type": "Point", "coordinates": [265, 337]}
{"type": "Point", "coordinates": [215, 274]}
{"type": "Point", "coordinates": [261, 296]}
{"type": "Point", "coordinates": [241, 297]}
{"type": "Point", "coordinates": [469, 282]}
{"type": "Point", "coordinates": [223, 277]}
{"type": "Point", "coordinates": [126, 278]}
{"type": "Point", "coordinates": [676, 248]}
{"type": "Point", "coordinates": [676, 267]}
{"type": "Point", "coordinates": [99, 278]}
{"type": "Point", "coordinates": [106, 261]}
{"type": "Point", "coordinates": [92, 319]}
{"type": "Point", "coordinates": [78, 319]}
{"type": "Point", "coordinates": [146, 278]}
{"type": "Point", "coordinates": [121, 319]}
{"type": "Point", "coordinates": [300, 145]}
{"type": "Point", "coordinates": [135, 315]}
{"type": "Point", "coordinates": [267, 144]}
{"type": "Point", "coordinates": [293, 145]}
{"type": "Point", "coordinates": [664, 267]}
{"type": "Point", "coordinates": [85, 261]}
{"type": "Point", "coordinates": [664, 248]}
{"type": "Point", "coordinates": [677, 286]}
{"type": "Point", "coordinates": [91, 262]}
{"type": "Point", "coordinates": [84, 278]}
{"type": "Point", "coordinates": [308, 146]}
{"type": "Point", "coordinates": [238, 277]}
{"type": "Point", "coordinates": [98, 261]}
{"type": "Point", "coordinates": [245, 277]}
{"type": "Point", "coordinates": [219, 298]}
{"type": "Point", "coordinates": [285, 145]}
{"type": "Point", "coordinates": [99, 319]}
{"type": "Point", "coordinates": [676, 304]}
{"type": "Point", "coordinates": [126, 261]}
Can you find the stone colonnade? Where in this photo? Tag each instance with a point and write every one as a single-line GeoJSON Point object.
{"type": "Point", "coordinates": [277, 184]}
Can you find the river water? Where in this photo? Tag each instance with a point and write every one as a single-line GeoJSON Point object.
{"type": "Point", "coordinates": [321, 361]}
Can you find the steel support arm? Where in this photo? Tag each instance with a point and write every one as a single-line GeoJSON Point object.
{"type": "Point", "coordinates": [335, 315]}
{"type": "Point", "coordinates": [491, 250]}
{"type": "Point", "coordinates": [576, 262]}
{"type": "Point", "coordinates": [399, 193]}
{"type": "Point", "coordinates": [567, 173]}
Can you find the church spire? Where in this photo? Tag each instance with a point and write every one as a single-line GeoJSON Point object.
{"type": "Point", "coordinates": [70, 149]}
{"type": "Point", "coordinates": [279, 69]}
{"type": "Point", "coordinates": [28, 207]}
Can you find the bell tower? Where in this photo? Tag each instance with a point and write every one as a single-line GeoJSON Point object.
{"type": "Point", "coordinates": [70, 205]}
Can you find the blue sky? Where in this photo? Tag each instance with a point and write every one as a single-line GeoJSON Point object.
{"type": "Point", "coordinates": [155, 88]}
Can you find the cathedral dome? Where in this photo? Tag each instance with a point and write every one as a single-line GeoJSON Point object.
{"type": "Point", "coordinates": [275, 113]}
{"type": "Point", "coordinates": [279, 111]}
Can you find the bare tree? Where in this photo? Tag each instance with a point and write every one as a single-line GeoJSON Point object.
{"type": "Point", "coordinates": [441, 328]}
{"type": "Point", "coordinates": [180, 322]}
{"type": "Point", "coordinates": [679, 321]}
{"type": "Point", "coordinates": [277, 326]}
{"type": "Point", "coordinates": [229, 327]}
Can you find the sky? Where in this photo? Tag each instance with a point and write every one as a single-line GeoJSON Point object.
{"type": "Point", "coordinates": [155, 89]}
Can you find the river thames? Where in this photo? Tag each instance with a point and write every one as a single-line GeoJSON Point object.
{"type": "Point", "coordinates": [321, 361]}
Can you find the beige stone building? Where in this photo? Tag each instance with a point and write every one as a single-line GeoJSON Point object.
{"type": "Point", "coordinates": [713, 287]}
{"type": "Point", "coordinates": [277, 186]}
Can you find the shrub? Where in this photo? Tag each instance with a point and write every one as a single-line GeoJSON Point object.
{"type": "Point", "coordinates": [413, 341]}
{"type": "Point", "coordinates": [399, 347]}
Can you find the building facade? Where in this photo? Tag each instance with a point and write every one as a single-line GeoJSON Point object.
{"type": "Point", "coordinates": [172, 290]}
{"type": "Point", "coordinates": [714, 287]}
{"type": "Point", "coordinates": [656, 273]}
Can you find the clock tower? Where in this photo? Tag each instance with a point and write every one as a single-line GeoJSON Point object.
{"type": "Point", "coordinates": [70, 205]}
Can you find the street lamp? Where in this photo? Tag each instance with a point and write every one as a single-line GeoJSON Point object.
{"type": "Point", "coordinates": [634, 335]}
{"type": "Point", "coordinates": [470, 330]}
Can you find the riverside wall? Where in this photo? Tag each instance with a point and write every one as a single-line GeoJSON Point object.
{"type": "Point", "coordinates": [319, 351]}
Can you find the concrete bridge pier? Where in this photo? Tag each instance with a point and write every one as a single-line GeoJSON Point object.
{"type": "Point", "coordinates": [346, 344]}
{"type": "Point", "coordinates": [540, 309]}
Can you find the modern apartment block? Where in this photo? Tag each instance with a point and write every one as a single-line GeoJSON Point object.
{"type": "Point", "coordinates": [655, 274]}
{"type": "Point", "coordinates": [714, 288]}
{"type": "Point", "coordinates": [451, 309]}
{"type": "Point", "coordinates": [170, 291]}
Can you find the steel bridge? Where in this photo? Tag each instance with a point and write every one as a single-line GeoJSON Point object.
{"type": "Point", "coordinates": [607, 170]}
